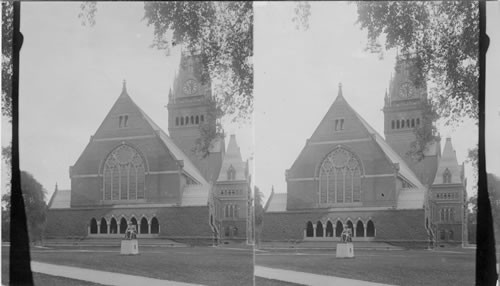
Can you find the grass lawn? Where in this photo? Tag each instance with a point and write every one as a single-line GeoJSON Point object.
{"type": "Point", "coordinates": [259, 281]}
{"type": "Point", "coordinates": [39, 278]}
{"type": "Point", "coordinates": [403, 267]}
{"type": "Point", "coordinates": [202, 265]}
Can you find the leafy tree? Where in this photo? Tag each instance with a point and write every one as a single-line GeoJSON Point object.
{"type": "Point", "coordinates": [34, 200]}
{"type": "Point", "coordinates": [7, 29]}
{"type": "Point", "coordinates": [442, 40]}
{"type": "Point", "coordinates": [221, 33]}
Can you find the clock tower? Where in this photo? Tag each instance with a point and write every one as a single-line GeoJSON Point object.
{"type": "Point", "coordinates": [188, 106]}
{"type": "Point", "coordinates": [404, 107]}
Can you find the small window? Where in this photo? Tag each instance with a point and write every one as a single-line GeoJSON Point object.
{"type": "Point", "coordinates": [202, 118]}
{"type": "Point", "coordinates": [413, 122]}
{"type": "Point", "coordinates": [336, 124]}
{"type": "Point", "coordinates": [187, 120]}
{"type": "Point", "coordinates": [182, 120]}
{"type": "Point", "coordinates": [192, 119]}
{"type": "Point", "coordinates": [407, 123]}
{"type": "Point", "coordinates": [341, 124]}
{"type": "Point", "coordinates": [197, 119]}
{"type": "Point", "coordinates": [418, 121]}
{"type": "Point", "coordinates": [403, 123]}
{"type": "Point", "coordinates": [393, 124]}
{"type": "Point", "coordinates": [125, 121]}
{"type": "Point", "coordinates": [397, 124]}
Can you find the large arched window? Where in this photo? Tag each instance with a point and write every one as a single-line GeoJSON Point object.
{"type": "Point", "coordinates": [338, 229]}
{"type": "Point", "coordinates": [144, 225]}
{"type": "Point", "coordinates": [370, 229]}
{"type": "Point", "coordinates": [319, 229]}
{"type": "Point", "coordinates": [123, 225]}
{"type": "Point", "coordinates": [340, 178]}
{"type": "Point", "coordinates": [309, 229]}
{"type": "Point", "coordinates": [104, 226]}
{"type": "Point", "coordinates": [93, 226]}
{"type": "Point", "coordinates": [113, 226]}
{"type": "Point", "coordinates": [350, 226]}
{"type": "Point", "coordinates": [124, 175]}
{"type": "Point", "coordinates": [360, 229]}
{"type": "Point", "coordinates": [329, 229]}
{"type": "Point", "coordinates": [134, 222]}
{"type": "Point", "coordinates": [155, 226]}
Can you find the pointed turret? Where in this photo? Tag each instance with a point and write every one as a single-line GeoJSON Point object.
{"type": "Point", "coordinates": [449, 171]}
{"type": "Point", "coordinates": [233, 166]}
{"type": "Point", "coordinates": [124, 88]}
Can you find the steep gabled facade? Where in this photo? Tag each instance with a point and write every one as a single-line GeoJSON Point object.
{"type": "Point", "coordinates": [131, 171]}
{"type": "Point", "coordinates": [233, 209]}
{"type": "Point", "coordinates": [347, 174]}
{"type": "Point", "coordinates": [449, 198]}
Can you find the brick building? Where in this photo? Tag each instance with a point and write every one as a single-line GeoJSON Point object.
{"type": "Point", "coordinates": [131, 171]}
{"type": "Point", "coordinates": [348, 174]}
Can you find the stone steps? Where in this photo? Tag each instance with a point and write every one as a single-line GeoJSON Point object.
{"type": "Point", "coordinates": [110, 242]}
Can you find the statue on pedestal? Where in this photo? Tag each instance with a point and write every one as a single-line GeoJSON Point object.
{"type": "Point", "coordinates": [129, 245]}
{"type": "Point", "coordinates": [131, 232]}
{"type": "Point", "coordinates": [346, 235]}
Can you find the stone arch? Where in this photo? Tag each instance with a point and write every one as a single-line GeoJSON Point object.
{"type": "Point", "coordinates": [155, 226]}
{"type": "Point", "coordinates": [350, 225]}
{"type": "Point", "coordinates": [144, 228]}
{"type": "Point", "coordinates": [319, 229]}
{"type": "Point", "coordinates": [113, 226]}
{"type": "Point", "coordinates": [123, 225]}
{"type": "Point", "coordinates": [370, 229]}
{"type": "Point", "coordinates": [133, 221]}
{"type": "Point", "coordinates": [339, 228]}
{"type": "Point", "coordinates": [93, 226]}
{"type": "Point", "coordinates": [309, 229]}
{"type": "Point", "coordinates": [360, 229]}
{"type": "Point", "coordinates": [103, 228]}
{"type": "Point", "coordinates": [329, 229]}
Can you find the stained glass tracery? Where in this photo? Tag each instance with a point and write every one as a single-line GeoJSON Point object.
{"type": "Point", "coordinates": [124, 175]}
{"type": "Point", "coordinates": [340, 178]}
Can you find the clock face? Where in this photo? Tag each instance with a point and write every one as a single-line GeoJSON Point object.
{"type": "Point", "coordinates": [406, 90]}
{"type": "Point", "coordinates": [190, 87]}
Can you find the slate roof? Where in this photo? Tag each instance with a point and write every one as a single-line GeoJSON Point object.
{"type": "Point", "coordinates": [277, 202]}
{"type": "Point", "coordinates": [61, 199]}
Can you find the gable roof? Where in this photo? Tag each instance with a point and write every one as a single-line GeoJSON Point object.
{"type": "Point", "coordinates": [232, 159]}
{"type": "Point", "coordinates": [448, 161]}
{"type": "Point", "coordinates": [61, 199]}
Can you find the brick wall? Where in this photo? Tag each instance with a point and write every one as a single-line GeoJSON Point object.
{"type": "Point", "coordinates": [406, 225]}
{"type": "Point", "coordinates": [189, 222]}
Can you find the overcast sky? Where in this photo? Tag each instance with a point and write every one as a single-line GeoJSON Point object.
{"type": "Point", "coordinates": [71, 75]}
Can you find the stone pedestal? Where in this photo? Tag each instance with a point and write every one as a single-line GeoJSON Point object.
{"type": "Point", "coordinates": [129, 247]}
{"type": "Point", "coordinates": [345, 250]}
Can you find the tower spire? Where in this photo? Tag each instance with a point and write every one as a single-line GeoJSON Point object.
{"type": "Point", "coordinates": [340, 89]}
